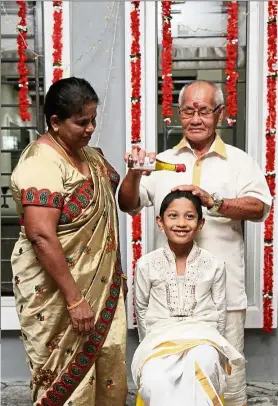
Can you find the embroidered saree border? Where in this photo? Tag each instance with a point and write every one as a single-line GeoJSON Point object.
{"type": "Point", "coordinates": [42, 197]}
{"type": "Point", "coordinates": [68, 381]}
{"type": "Point", "coordinates": [79, 200]}
{"type": "Point", "coordinates": [71, 206]}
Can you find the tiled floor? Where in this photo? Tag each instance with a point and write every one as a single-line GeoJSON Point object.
{"type": "Point", "coordinates": [262, 393]}
{"type": "Point", "coordinates": [259, 394]}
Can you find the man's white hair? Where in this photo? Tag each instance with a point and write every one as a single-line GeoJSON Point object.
{"type": "Point", "coordinates": [218, 94]}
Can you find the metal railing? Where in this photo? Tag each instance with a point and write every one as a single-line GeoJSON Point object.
{"type": "Point", "coordinates": [9, 221]}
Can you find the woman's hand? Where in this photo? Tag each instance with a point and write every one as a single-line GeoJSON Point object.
{"type": "Point", "coordinates": [138, 155]}
{"type": "Point", "coordinates": [83, 318]}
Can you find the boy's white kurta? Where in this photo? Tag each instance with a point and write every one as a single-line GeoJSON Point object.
{"type": "Point", "coordinates": [175, 314]}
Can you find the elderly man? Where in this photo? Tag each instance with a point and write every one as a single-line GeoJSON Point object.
{"type": "Point", "coordinates": [232, 188]}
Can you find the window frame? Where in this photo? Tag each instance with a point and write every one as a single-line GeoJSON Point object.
{"type": "Point", "coordinates": [9, 317]}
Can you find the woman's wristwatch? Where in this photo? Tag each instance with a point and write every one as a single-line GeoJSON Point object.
{"type": "Point", "coordinates": [217, 202]}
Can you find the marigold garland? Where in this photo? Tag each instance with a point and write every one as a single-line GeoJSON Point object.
{"type": "Point", "coordinates": [57, 40]}
{"type": "Point", "coordinates": [231, 62]}
{"type": "Point", "coordinates": [23, 84]}
{"type": "Point", "coordinates": [166, 62]}
{"type": "Point", "coordinates": [135, 65]}
{"type": "Point", "coordinates": [271, 123]}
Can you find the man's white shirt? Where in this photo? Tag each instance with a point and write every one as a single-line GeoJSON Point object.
{"type": "Point", "coordinates": [227, 171]}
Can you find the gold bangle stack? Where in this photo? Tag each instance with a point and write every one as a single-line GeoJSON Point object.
{"type": "Point", "coordinates": [124, 276]}
{"type": "Point", "coordinates": [73, 306]}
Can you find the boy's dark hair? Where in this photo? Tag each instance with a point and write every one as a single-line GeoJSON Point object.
{"type": "Point", "coordinates": [67, 97]}
{"type": "Point", "coordinates": [178, 194]}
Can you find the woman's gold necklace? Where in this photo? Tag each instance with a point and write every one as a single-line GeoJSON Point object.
{"type": "Point", "coordinates": [64, 152]}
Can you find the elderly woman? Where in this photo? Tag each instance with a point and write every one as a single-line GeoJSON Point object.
{"type": "Point", "coordinates": [66, 263]}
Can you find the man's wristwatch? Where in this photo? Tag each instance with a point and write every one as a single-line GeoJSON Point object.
{"type": "Point", "coordinates": [217, 202]}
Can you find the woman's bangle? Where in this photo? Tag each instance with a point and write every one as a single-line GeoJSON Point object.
{"type": "Point", "coordinates": [73, 306]}
{"type": "Point", "coordinates": [124, 276]}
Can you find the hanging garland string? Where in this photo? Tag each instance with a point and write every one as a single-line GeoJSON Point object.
{"type": "Point", "coordinates": [135, 66]}
{"type": "Point", "coordinates": [57, 40]}
{"type": "Point", "coordinates": [23, 84]}
{"type": "Point", "coordinates": [231, 62]}
{"type": "Point", "coordinates": [271, 123]}
{"type": "Point", "coordinates": [166, 62]}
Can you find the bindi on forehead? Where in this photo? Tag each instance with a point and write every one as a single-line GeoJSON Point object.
{"type": "Point", "coordinates": [196, 105]}
{"type": "Point", "coordinates": [201, 94]}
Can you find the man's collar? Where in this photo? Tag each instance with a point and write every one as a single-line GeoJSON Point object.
{"type": "Point", "coordinates": [218, 146]}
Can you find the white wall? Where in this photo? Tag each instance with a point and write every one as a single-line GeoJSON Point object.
{"type": "Point", "coordinates": [88, 22]}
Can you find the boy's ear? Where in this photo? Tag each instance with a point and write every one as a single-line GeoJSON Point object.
{"type": "Point", "coordinates": [201, 224]}
{"type": "Point", "coordinates": [159, 222]}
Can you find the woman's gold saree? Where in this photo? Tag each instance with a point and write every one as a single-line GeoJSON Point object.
{"type": "Point", "coordinates": [68, 368]}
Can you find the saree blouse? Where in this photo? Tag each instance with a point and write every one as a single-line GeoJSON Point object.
{"type": "Point", "coordinates": [44, 178]}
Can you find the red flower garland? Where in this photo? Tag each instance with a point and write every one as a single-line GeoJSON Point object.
{"type": "Point", "coordinates": [270, 162]}
{"type": "Point", "coordinates": [57, 40]}
{"type": "Point", "coordinates": [166, 62]}
{"type": "Point", "coordinates": [231, 62]}
{"type": "Point", "coordinates": [135, 65]}
{"type": "Point", "coordinates": [22, 68]}
{"type": "Point", "coordinates": [136, 249]}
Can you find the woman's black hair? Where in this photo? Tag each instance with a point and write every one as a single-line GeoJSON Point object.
{"type": "Point", "coordinates": [67, 97]}
{"type": "Point", "coordinates": [178, 194]}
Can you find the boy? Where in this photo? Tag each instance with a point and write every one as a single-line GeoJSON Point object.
{"type": "Point", "coordinates": [181, 311]}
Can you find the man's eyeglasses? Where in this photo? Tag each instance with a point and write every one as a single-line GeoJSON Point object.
{"type": "Point", "coordinates": [188, 112]}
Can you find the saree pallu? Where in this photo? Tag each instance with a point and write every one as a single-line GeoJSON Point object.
{"type": "Point", "coordinates": [68, 368]}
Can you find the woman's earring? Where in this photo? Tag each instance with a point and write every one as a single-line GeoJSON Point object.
{"type": "Point", "coordinates": [56, 129]}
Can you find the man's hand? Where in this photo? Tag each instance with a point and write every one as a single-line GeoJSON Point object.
{"type": "Point", "coordinates": [138, 155]}
{"type": "Point", "coordinates": [205, 197]}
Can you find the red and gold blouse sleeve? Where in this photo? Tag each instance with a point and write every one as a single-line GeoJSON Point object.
{"type": "Point", "coordinates": [38, 181]}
